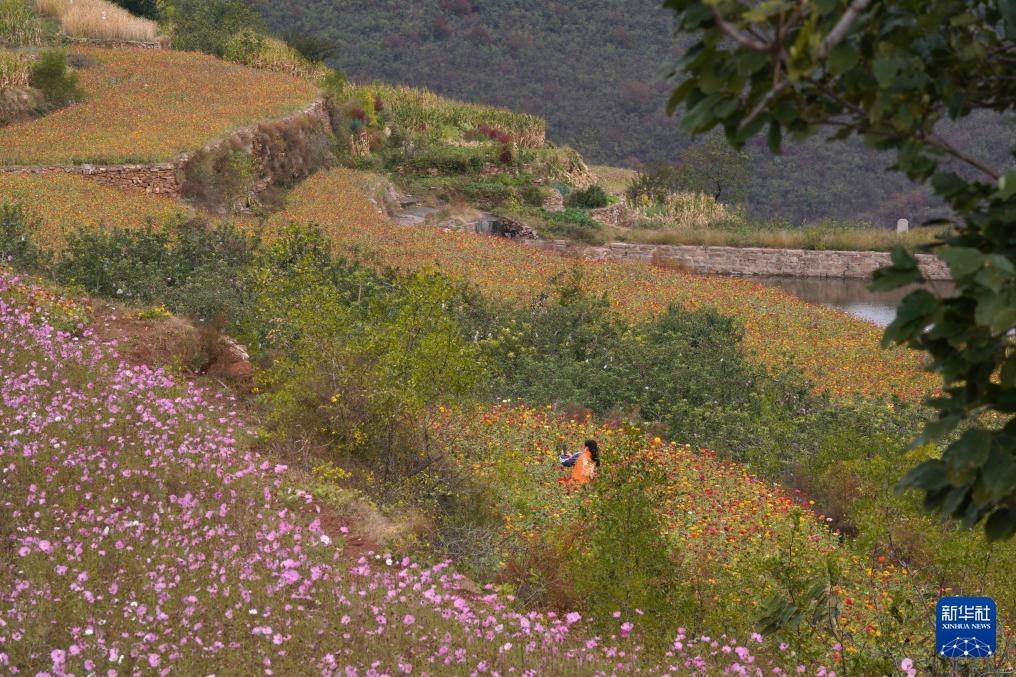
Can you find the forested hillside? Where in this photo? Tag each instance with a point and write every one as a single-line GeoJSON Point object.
{"type": "Point", "coordinates": [597, 70]}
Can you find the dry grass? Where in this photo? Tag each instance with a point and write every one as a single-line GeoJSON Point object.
{"type": "Point", "coordinates": [819, 237]}
{"type": "Point", "coordinates": [19, 26]}
{"type": "Point", "coordinates": [98, 20]}
{"type": "Point", "coordinates": [14, 70]}
{"type": "Point", "coordinates": [614, 180]}
{"type": "Point", "coordinates": [152, 105]}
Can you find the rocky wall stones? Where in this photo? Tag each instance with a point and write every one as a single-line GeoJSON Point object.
{"type": "Point", "coordinates": [750, 260]}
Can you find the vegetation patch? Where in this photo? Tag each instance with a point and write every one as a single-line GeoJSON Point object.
{"type": "Point", "coordinates": [779, 328]}
{"type": "Point", "coordinates": [64, 202]}
{"type": "Point", "coordinates": [98, 20]}
{"type": "Point", "coordinates": [149, 106]}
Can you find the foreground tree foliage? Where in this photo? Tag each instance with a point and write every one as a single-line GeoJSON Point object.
{"type": "Point", "coordinates": [891, 72]}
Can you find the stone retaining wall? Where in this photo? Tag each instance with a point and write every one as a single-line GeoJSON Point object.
{"type": "Point", "coordinates": [160, 179]}
{"type": "Point", "coordinates": [165, 178]}
{"type": "Point", "coordinates": [749, 260]}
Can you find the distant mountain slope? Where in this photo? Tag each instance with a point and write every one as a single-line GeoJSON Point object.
{"type": "Point", "coordinates": [596, 70]}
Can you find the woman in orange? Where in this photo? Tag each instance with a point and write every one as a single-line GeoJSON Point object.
{"type": "Point", "coordinates": [583, 464]}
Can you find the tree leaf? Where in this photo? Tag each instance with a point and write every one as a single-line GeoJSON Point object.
{"type": "Point", "coordinates": [842, 58]}
{"type": "Point", "coordinates": [1008, 10]}
{"type": "Point", "coordinates": [1001, 525]}
{"type": "Point", "coordinates": [930, 475]}
{"type": "Point", "coordinates": [775, 137]}
{"type": "Point", "coordinates": [962, 261]}
{"type": "Point", "coordinates": [968, 454]}
{"type": "Point", "coordinates": [912, 316]}
{"type": "Point", "coordinates": [1007, 182]}
{"type": "Point", "coordinates": [996, 311]}
{"type": "Point", "coordinates": [903, 271]}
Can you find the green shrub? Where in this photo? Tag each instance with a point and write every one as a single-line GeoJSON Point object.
{"type": "Point", "coordinates": [358, 378]}
{"type": "Point", "coordinates": [244, 47]}
{"type": "Point", "coordinates": [592, 197]}
{"type": "Point", "coordinates": [54, 79]}
{"type": "Point", "coordinates": [532, 195]}
{"type": "Point", "coordinates": [208, 25]}
{"type": "Point", "coordinates": [17, 238]}
{"type": "Point", "coordinates": [190, 267]}
{"type": "Point", "coordinates": [148, 9]}
{"type": "Point", "coordinates": [311, 47]}
{"type": "Point", "coordinates": [622, 560]}
{"type": "Point", "coordinates": [654, 185]}
{"type": "Point", "coordinates": [573, 224]}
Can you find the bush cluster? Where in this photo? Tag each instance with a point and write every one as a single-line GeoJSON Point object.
{"type": "Point", "coordinates": [592, 197]}
{"type": "Point", "coordinates": [57, 82]}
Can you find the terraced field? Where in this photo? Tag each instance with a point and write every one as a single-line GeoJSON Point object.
{"type": "Point", "coordinates": [149, 106]}
{"type": "Point", "coordinates": [63, 202]}
{"type": "Point", "coordinates": [837, 352]}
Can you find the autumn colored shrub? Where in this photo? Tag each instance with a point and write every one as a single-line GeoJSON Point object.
{"type": "Point", "coordinates": [227, 176]}
{"type": "Point", "coordinates": [218, 179]}
{"type": "Point", "coordinates": [14, 70]}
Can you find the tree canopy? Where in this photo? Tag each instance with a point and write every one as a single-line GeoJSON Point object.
{"type": "Point", "coordinates": [893, 73]}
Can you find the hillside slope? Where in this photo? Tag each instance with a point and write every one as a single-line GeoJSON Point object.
{"type": "Point", "coordinates": [149, 106]}
{"type": "Point", "coordinates": [837, 352]}
{"type": "Point", "coordinates": [596, 69]}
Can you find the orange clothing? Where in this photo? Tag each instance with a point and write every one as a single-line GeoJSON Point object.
{"type": "Point", "coordinates": [584, 468]}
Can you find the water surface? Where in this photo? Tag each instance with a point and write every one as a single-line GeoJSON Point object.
{"type": "Point", "coordinates": [852, 296]}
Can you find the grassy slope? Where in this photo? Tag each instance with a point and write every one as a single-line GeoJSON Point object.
{"type": "Point", "coordinates": [151, 105]}
{"type": "Point", "coordinates": [64, 202]}
{"type": "Point", "coordinates": [837, 352]}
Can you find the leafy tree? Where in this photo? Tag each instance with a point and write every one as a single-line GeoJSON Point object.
{"type": "Point", "coordinates": [146, 8]}
{"type": "Point", "coordinates": [714, 168]}
{"type": "Point", "coordinates": [207, 25]}
{"type": "Point", "coordinates": [311, 47]}
{"type": "Point", "coordinates": [894, 74]}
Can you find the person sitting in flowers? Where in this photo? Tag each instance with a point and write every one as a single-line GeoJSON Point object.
{"type": "Point", "coordinates": [583, 464]}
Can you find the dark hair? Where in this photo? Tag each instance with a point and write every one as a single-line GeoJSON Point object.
{"type": "Point", "coordinates": [594, 451]}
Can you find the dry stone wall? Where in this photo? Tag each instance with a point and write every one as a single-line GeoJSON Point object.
{"type": "Point", "coordinates": [160, 179]}
{"type": "Point", "coordinates": [749, 260]}
{"type": "Point", "coordinates": [165, 178]}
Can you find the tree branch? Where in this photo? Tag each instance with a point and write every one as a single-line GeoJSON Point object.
{"type": "Point", "coordinates": [763, 104]}
{"type": "Point", "coordinates": [842, 27]}
{"type": "Point", "coordinates": [739, 37]}
{"type": "Point", "coordinates": [937, 141]}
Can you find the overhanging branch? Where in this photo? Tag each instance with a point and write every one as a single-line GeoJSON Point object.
{"type": "Point", "coordinates": [842, 27]}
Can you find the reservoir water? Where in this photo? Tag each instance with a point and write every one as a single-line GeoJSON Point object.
{"type": "Point", "coordinates": [852, 296]}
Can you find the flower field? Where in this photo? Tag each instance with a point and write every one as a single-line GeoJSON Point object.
{"type": "Point", "coordinates": [63, 202]}
{"type": "Point", "coordinates": [151, 105]}
{"type": "Point", "coordinates": [725, 528]}
{"type": "Point", "coordinates": [141, 537]}
{"type": "Point", "coordinates": [838, 353]}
